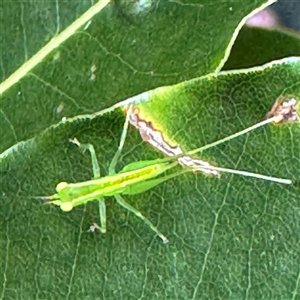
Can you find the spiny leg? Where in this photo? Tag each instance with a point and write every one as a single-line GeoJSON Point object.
{"type": "Point", "coordinates": [96, 173]}
{"type": "Point", "coordinates": [91, 149]}
{"type": "Point", "coordinates": [111, 169]}
{"type": "Point", "coordinates": [127, 206]}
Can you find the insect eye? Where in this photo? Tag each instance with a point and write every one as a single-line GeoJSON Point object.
{"type": "Point", "coordinates": [66, 206]}
{"type": "Point", "coordinates": [61, 186]}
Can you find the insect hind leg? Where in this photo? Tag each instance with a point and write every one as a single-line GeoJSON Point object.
{"type": "Point", "coordinates": [127, 206]}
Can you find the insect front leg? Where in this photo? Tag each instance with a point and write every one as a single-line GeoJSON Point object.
{"type": "Point", "coordinates": [96, 174]}
{"type": "Point", "coordinates": [91, 149]}
{"type": "Point", "coordinates": [127, 206]}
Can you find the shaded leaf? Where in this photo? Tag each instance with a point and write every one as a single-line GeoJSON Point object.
{"type": "Point", "coordinates": [230, 237]}
{"type": "Point", "coordinates": [255, 46]}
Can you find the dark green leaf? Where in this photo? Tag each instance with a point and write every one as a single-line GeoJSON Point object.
{"type": "Point", "coordinates": [256, 46]}
{"type": "Point", "coordinates": [228, 236]}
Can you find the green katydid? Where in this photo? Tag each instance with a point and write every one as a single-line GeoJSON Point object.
{"type": "Point", "coordinates": [135, 178]}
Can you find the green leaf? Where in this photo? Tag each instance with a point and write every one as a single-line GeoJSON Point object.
{"type": "Point", "coordinates": [227, 236]}
{"type": "Point", "coordinates": [232, 237]}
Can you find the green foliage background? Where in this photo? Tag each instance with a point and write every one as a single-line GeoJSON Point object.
{"type": "Point", "coordinates": [230, 238]}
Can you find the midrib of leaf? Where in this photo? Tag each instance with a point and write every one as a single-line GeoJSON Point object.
{"type": "Point", "coordinates": [54, 43]}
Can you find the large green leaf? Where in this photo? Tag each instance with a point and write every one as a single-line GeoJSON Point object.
{"type": "Point", "coordinates": [230, 238]}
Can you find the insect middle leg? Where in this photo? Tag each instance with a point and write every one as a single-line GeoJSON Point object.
{"type": "Point", "coordinates": [96, 174]}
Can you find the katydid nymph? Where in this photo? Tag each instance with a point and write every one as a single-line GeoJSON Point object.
{"type": "Point", "coordinates": [134, 178]}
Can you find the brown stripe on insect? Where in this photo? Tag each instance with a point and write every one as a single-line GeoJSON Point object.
{"type": "Point", "coordinates": [156, 139]}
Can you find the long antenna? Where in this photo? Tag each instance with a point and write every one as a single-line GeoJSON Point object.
{"type": "Point", "coordinates": [230, 137]}
{"type": "Point", "coordinates": [248, 174]}
{"type": "Point", "coordinates": [237, 172]}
